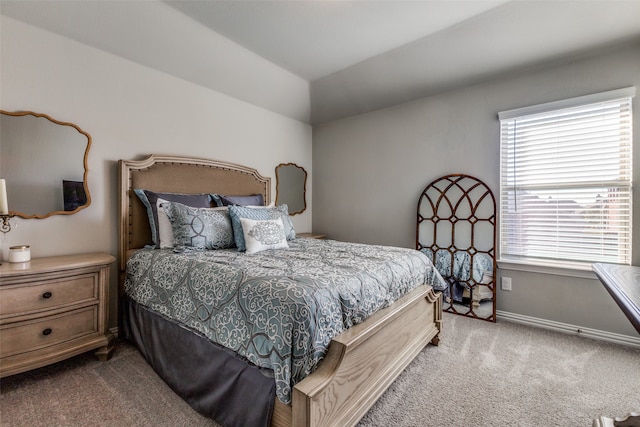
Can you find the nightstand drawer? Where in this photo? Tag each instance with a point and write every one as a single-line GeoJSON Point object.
{"type": "Point", "coordinates": [53, 308]}
{"type": "Point", "coordinates": [32, 335]}
{"type": "Point", "coordinates": [47, 295]}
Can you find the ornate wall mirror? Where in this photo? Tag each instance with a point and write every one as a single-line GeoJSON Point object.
{"type": "Point", "coordinates": [457, 230]}
{"type": "Point", "coordinates": [291, 187]}
{"type": "Point", "coordinates": [44, 163]}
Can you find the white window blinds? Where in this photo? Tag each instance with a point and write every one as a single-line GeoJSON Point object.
{"type": "Point", "coordinates": [565, 180]}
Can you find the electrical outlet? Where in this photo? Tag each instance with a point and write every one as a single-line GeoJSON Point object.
{"type": "Point", "coordinates": [505, 283]}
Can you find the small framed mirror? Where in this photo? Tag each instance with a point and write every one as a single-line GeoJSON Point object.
{"type": "Point", "coordinates": [44, 164]}
{"type": "Point", "coordinates": [291, 187]}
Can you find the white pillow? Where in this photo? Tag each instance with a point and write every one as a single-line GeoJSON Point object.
{"type": "Point", "coordinates": [260, 235]}
{"type": "Point", "coordinates": [270, 205]}
{"type": "Point", "coordinates": [165, 230]}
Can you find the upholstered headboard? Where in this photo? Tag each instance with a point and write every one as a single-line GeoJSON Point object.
{"type": "Point", "coordinates": [173, 174]}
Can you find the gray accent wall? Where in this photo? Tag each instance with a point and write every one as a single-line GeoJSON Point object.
{"type": "Point", "coordinates": [370, 169]}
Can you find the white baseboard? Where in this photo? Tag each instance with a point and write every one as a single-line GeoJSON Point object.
{"type": "Point", "coordinates": [568, 328]}
{"type": "Point", "coordinates": [547, 324]}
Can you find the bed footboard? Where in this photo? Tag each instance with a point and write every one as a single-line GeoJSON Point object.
{"type": "Point", "coordinates": [363, 361]}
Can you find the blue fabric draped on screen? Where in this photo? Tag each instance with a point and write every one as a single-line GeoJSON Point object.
{"type": "Point", "coordinates": [461, 272]}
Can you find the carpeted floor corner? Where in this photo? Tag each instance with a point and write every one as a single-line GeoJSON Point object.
{"type": "Point", "coordinates": [482, 374]}
{"type": "Point", "coordinates": [82, 391]}
{"type": "Point", "coordinates": [505, 374]}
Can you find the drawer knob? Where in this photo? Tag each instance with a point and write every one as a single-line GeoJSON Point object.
{"type": "Point", "coordinates": [47, 295]}
{"type": "Point", "coordinates": [47, 331]}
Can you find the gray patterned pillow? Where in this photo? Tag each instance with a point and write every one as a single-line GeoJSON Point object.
{"type": "Point", "coordinates": [237, 212]}
{"type": "Point", "coordinates": [207, 228]}
{"type": "Point", "coordinates": [149, 200]}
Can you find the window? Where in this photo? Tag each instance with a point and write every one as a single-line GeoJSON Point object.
{"type": "Point", "coordinates": [565, 181]}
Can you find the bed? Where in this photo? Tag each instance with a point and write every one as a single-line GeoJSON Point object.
{"type": "Point", "coordinates": [346, 368]}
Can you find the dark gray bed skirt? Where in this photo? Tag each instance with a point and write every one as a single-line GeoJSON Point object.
{"type": "Point", "coordinates": [215, 381]}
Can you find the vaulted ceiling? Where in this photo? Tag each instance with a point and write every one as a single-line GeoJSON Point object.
{"type": "Point", "coordinates": [356, 55]}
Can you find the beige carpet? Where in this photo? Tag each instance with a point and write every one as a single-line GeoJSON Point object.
{"type": "Point", "coordinates": [482, 374]}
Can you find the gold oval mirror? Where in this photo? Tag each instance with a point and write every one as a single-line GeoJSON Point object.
{"type": "Point", "coordinates": [291, 187]}
{"type": "Point", "coordinates": [44, 164]}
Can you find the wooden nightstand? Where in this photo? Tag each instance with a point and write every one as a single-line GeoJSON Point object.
{"type": "Point", "coordinates": [53, 308]}
{"type": "Point", "coordinates": [312, 235]}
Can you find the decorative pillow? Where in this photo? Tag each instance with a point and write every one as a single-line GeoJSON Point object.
{"type": "Point", "coordinates": [165, 230]}
{"type": "Point", "coordinates": [282, 211]}
{"type": "Point", "coordinates": [207, 228]}
{"type": "Point", "coordinates": [255, 213]}
{"type": "Point", "coordinates": [263, 234]}
{"type": "Point", "coordinates": [150, 198]}
{"type": "Point", "coordinates": [221, 200]}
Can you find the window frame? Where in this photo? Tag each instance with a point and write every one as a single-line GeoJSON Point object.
{"type": "Point", "coordinates": [539, 264]}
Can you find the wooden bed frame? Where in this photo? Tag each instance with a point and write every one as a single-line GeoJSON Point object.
{"type": "Point", "coordinates": [361, 362]}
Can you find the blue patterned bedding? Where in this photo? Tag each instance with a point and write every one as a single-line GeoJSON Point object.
{"type": "Point", "coordinates": [280, 308]}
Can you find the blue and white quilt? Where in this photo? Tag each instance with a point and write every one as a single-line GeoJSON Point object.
{"type": "Point", "coordinates": [278, 308]}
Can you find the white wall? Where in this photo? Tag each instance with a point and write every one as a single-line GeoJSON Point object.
{"type": "Point", "coordinates": [130, 111]}
{"type": "Point", "coordinates": [370, 169]}
{"type": "Point", "coordinates": [156, 34]}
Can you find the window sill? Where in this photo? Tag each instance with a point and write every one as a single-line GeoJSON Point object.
{"type": "Point", "coordinates": [581, 270]}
